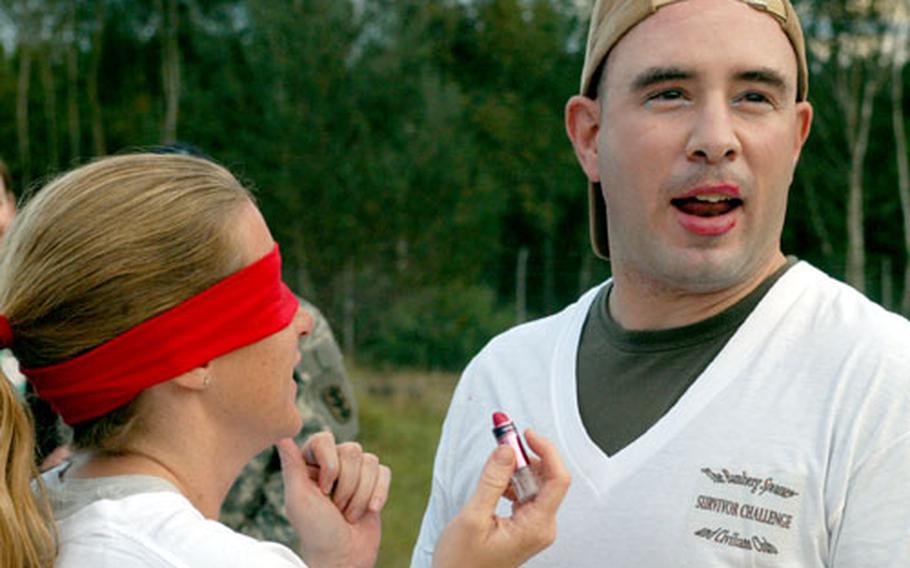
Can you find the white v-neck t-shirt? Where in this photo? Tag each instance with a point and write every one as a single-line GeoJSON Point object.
{"type": "Point", "coordinates": [138, 521]}
{"type": "Point", "coordinates": [791, 449]}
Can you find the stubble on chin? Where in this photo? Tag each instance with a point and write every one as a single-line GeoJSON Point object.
{"type": "Point", "coordinates": [684, 273]}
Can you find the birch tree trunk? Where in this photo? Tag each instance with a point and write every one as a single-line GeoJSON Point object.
{"type": "Point", "coordinates": [170, 64]}
{"type": "Point", "coordinates": [817, 220]}
{"type": "Point", "coordinates": [94, 69]}
{"type": "Point", "coordinates": [50, 108]}
{"type": "Point", "coordinates": [903, 168]}
{"type": "Point", "coordinates": [856, 240]}
{"type": "Point", "coordinates": [22, 123]}
{"type": "Point", "coordinates": [72, 87]}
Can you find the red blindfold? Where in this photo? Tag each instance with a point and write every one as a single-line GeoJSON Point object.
{"type": "Point", "coordinates": [247, 306]}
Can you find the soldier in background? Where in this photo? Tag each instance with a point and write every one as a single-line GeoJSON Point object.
{"type": "Point", "coordinates": [255, 504]}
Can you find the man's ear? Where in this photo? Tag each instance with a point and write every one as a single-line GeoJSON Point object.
{"type": "Point", "coordinates": [582, 126]}
{"type": "Point", "coordinates": [197, 379]}
{"type": "Point", "coordinates": [804, 114]}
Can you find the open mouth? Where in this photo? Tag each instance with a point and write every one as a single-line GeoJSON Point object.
{"type": "Point", "coordinates": [708, 205]}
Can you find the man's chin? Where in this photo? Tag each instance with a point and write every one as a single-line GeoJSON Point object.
{"type": "Point", "coordinates": [706, 271]}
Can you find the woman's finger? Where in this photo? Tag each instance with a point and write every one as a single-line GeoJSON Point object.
{"type": "Point", "coordinates": [350, 456]}
{"type": "Point", "coordinates": [320, 450]}
{"type": "Point", "coordinates": [360, 500]}
{"type": "Point", "coordinates": [381, 490]}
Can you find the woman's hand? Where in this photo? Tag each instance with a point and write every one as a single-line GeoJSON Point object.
{"type": "Point", "coordinates": [479, 539]}
{"type": "Point", "coordinates": [333, 496]}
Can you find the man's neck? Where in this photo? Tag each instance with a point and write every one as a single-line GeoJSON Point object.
{"type": "Point", "coordinates": [637, 303]}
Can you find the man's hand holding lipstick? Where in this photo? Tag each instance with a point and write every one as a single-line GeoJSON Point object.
{"type": "Point", "coordinates": [477, 537]}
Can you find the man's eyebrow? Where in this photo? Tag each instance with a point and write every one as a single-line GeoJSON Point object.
{"type": "Point", "coordinates": [655, 75]}
{"type": "Point", "coordinates": [766, 75]}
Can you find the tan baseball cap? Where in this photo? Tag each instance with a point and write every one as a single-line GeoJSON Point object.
{"type": "Point", "coordinates": [611, 19]}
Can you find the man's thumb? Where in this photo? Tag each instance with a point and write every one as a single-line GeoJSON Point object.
{"type": "Point", "coordinates": [494, 481]}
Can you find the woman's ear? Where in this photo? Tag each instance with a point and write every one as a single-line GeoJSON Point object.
{"type": "Point", "coordinates": [197, 379]}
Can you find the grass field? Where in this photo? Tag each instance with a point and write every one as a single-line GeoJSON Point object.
{"type": "Point", "coordinates": [401, 414]}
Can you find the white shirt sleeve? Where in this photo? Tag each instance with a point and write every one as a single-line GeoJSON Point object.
{"type": "Point", "coordinates": [434, 521]}
{"type": "Point", "coordinates": [874, 531]}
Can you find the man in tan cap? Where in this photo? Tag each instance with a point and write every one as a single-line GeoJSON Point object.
{"type": "Point", "coordinates": [718, 403]}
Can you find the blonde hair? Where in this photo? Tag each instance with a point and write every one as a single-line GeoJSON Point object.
{"type": "Point", "coordinates": [107, 246]}
{"type": "Point", "coordinates": [26, 528]}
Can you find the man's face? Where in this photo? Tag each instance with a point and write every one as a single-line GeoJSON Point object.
{"type": "Point", "coordinates": [699, 135]}
{"type": "Point", "coordinates": [7, 208]}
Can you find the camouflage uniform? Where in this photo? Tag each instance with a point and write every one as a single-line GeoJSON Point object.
{"type": "Point", "coordinates": [255, 504]}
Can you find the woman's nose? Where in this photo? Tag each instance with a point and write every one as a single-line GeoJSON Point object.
{"type": "Point", "coordinates": [303, 322]}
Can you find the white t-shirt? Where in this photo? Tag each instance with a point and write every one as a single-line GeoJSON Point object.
{"type": "Point", "coordinates": [791, 449]}
{"type": "Point", "coordinates": [144, 522]}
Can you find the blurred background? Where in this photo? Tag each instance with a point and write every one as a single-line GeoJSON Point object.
{"type": "Point", "coordinates": [410, 157]}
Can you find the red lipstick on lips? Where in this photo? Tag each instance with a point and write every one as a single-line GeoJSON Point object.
{"type": "Point", "coordinates": [706, 211]}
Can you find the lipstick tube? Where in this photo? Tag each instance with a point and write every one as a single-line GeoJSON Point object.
{"type": "Point", "coordinates": [524, 482]}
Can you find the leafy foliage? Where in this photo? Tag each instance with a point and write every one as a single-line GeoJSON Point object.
{"type": "Point", "coordinates": [403, 151]}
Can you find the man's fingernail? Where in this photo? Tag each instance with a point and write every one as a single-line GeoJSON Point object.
{"type": "Point", "coordinates": [503, 455]}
